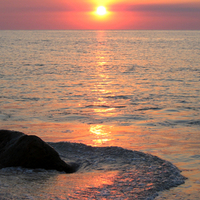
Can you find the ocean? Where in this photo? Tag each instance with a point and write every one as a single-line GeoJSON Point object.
{"type": "Point", "coordinates": [123, 104]}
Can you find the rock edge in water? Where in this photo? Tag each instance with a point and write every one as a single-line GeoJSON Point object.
{"type": "Point", "coordinates": [29, 151]}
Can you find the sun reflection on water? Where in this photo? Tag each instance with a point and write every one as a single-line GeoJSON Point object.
{"type": "Point", "coordinates": [100, 133]}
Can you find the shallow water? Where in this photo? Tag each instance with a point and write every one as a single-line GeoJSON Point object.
{"type": "Point", "coordinates": [133, 89]}
{"type": "Point", "coordinates": [104, 172]}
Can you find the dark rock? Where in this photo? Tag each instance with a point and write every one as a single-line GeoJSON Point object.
{"type": "Point", "coordinates": [29, 151]}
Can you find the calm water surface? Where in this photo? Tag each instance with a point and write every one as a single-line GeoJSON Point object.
{"type": "Point", "coordinates": [139, 90]}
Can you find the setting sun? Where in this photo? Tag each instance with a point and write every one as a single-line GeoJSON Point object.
{"type": "Point", "coordinates": [101, 10]}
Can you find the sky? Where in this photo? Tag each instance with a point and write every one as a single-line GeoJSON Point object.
{"type": "Point", "coordinates": [81, 14]}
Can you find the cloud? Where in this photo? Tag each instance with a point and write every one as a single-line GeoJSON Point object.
{"type": "Point", "coordinates": [24, 6]}
{"type": "Point", "coordinates": [18, 6]}
{"type": "Point", "coordinates": [167, 8]}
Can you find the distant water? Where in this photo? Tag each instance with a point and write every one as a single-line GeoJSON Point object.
{"type": "Point", "coordinates": [139, 90]}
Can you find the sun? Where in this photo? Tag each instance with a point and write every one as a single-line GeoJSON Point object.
{"type": "Point", "coordinates": [101, 10]}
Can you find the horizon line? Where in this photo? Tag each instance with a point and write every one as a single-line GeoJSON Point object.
{"type": "Point", "coordinates": [99, 29]}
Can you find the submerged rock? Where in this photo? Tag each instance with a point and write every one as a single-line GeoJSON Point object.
{"type": "Point", "coordinates": [29, 151]}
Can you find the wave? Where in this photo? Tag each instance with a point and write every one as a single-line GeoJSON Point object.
{"type": "Point", "coordinates": [140, 175]}
{"type": "Point", "coordinates": [137, 175]}
{"type": "Point", "coordinates": [105, 106]}
{"type": "Point", "coordinates": [120, 97]}
{"type": "Point", "coordinates": [149, 108]}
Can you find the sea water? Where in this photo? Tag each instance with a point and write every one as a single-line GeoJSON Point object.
{"type": "Point", "coordinates": [136, 90]}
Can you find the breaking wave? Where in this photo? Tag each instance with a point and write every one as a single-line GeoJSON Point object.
{"type": "Point", "coordinates": [136, 175]}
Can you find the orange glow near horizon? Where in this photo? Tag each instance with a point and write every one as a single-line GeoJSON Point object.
{"type": "Point", "coordinates": [114, 14]}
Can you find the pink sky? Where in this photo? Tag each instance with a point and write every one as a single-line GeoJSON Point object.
{"type": "Point", "coordinates": [80, 14]}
